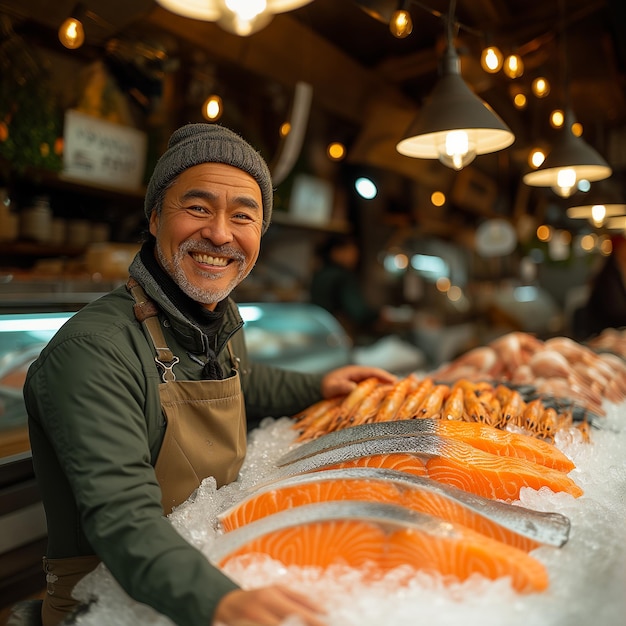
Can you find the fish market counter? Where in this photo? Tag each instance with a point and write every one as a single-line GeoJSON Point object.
{"type": "Point", "coordinates": [586, 575]}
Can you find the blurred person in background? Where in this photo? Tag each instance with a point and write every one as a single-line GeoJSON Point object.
{"type": "Point", "coordinates": [606, 305]}
{"type": "Point", "coordinates": [148, 390]}
{"type": "Point", "coordinates": [335, 286]}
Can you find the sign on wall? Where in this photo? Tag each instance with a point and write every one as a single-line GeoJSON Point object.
{"type": "Point", "coordinates": [97, 151]}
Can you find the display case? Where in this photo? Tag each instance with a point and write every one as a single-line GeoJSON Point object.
{"type": "Point", "coordinates": [295, 336]}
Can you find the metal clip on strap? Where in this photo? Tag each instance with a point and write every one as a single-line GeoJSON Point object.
{"type": "Point", "coordinates": [146, 312]}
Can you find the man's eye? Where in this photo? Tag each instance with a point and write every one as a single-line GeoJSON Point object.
{"type": "Point", "coordinates": [196, 208]}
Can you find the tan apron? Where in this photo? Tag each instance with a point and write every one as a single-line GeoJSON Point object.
{"type": "Point", "coordinates": [205, 436]}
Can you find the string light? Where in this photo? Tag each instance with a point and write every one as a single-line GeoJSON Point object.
{"type": "Point", "coordinates": [212, 108]}
{"type": "Point", "coordinates": [491, 59]}
{"type": "Point", "coordinates": [71, 32]}
{"type": "Point", "coordinates": [401, 24]}
{"type": "Point", "coordinates": [513, 66]}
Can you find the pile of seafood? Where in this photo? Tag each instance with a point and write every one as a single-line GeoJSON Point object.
{"type": "Point", "coordinates": [556, 368]}
{"type": "Point", "coordinates": [423, 473]}
{"type": "Point", "coordinates": [611, 340]}
{"type": "Point", "coordinates": [497, 405]}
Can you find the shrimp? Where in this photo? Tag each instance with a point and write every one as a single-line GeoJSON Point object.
{"type": "Point", "coordinates": [352, 401]}
{"type": "Point", "coordinates": [512, 409]}
{"type": "Point", "coordinates": [313, 412]}
{"type": "Point", "coordinates": [393, 401]}
{"type": "Point", "coordinates": [433, 403]}
{"type": "Point", "coordinates": [454, 406]}
{"type": "Point", "coordinates": [531, 417]}
{"type": "Point", "coordinates": [368, 409]}
{"type": "Point", "coordinates": [414, 399]}
{"type": "Point", "coordinates": [319, 426]}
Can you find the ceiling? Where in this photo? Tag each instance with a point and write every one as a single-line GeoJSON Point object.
{"type": "Point", "coordinates": [371, 84]}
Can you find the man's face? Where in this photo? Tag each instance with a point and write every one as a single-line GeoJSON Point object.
{"type": "Point", "coordinates": [208, 234]}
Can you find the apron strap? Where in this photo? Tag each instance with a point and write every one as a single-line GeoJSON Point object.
{"type": "Point", "coordinates": [146, 313]}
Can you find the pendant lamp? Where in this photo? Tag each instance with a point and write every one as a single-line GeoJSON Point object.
{"type": "Point", "coordinates": [454, 124]}
{"type": "Point", "coordinates": [240, 17]}
{"type": "Point", "coordinates": [599, 204]}
{"type": "Point", "coordinates": [570, 160]}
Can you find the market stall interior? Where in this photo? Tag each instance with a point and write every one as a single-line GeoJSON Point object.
{"type": "Point", "coordinates": [380, 118]}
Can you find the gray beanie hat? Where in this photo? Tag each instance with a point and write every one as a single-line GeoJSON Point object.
{"type": "Point", "coordinates": [209, 143]}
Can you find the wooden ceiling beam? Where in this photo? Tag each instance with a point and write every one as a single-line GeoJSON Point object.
{"type": "Point", "coordinates": [286, 51]}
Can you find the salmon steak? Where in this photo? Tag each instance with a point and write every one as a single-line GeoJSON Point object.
{"type": "Point", "coordinates": [514, 525]}
{"type": "Point", "coordinates": [376, 538]}
{"type": "Point", "coordinates": [445, 460]}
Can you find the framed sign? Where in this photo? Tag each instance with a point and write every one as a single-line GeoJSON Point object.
{"type": "Point", "coordinates": [100, 152]}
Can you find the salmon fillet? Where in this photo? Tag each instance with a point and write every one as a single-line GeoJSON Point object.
{"type": "Point", "coordinates": [377, 538]}
{"type": "Point", "coordinates": [272, 501]}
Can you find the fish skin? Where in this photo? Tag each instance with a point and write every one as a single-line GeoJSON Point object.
{"type": "Point", "coordinates": [481, 436]}
{"type": "Point", "coordinates": [446, 460]}
{"type": "Point", "coordinates": [396, 535]}
{"type": "Point", "coordinates": [539, 527]}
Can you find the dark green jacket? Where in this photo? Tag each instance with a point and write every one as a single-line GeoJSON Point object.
{"type": "Point", "coordinates": [96, 428]}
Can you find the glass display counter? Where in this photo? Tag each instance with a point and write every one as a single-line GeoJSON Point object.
{"type": "Point", "coordinates": [296, 336]}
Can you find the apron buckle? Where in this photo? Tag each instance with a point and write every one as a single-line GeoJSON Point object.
{"type": "Point", "coordinates": [167, 369]}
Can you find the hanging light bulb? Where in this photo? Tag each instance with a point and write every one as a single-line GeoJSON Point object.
{"type": "Point", "coordinates": [454, 124]}
{"type": "Point", "coordinates": [604, 201]}
{"type": "Point", "coordinates": [541, 87]}
{"type": "Point", "coordinates": [455, 149]}
{"type": "Point", "coordinates": [570, 160]}
{"type": "Point", "coordinates": [557, 118]}
{"type": "Point", "coordinates": [212, 108]}
{"type": "Point", "coordinates": [513, 66]}
{"type": "Point", "coordinates": [71, 31]}
{"type": "Point", "coordinates": [491, 59]}
{"type": "Point", "coordinates": [401, 24]}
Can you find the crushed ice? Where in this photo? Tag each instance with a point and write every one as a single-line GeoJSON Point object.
{"type": "Point", "coordinates": [587, 575]}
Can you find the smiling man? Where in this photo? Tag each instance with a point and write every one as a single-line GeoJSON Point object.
{"type": "Point", "coordinates": [149, 390]}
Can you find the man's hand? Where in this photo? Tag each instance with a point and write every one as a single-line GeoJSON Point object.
{"type": "Point", "coordinates": [267, 606]}
{"type": "Point", "coordinates": [343, 380]}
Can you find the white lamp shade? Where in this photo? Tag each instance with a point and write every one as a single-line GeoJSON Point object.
{"type": "Point", "coordinates": [451, 106]}
{"type": "Point", "coordinates": [207, 10]}
{"type": "Point", "coordinates": [569, 152]}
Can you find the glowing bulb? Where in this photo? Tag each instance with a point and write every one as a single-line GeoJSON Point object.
{"type": "Point", "coordinates": [557, 117]}
{"type": "Point", "coordinates": [544, 233]}
{"type": "Point", "coordinates": [246, 10]}
{"type": "Point", "coordinates": [212, 108]}
{"type": "Point", "coordinates": [541, 87]}
{"type": "Point", "coordinates": [598, 213]}
{"type": "Point", "coordinates": [438, 198]}
{"type": "Point", "coordinates": [401, 24]}
{"type": "Point", "coordinates": [336, 151]}
{"type": "Point", "coordinates": [456, 150]}
{"type": "Point", "coordinates": [72, 33]}
{"type": "Point", "coordinates": [491, 59]}
{"type": "Point", "coordinates": [366, 188]}
{"type": "Point", "coordinates": [536, 158]}
{"type": "Point", "coordinates": [566, 182]}
{"type": "Point", "coordinates": [577, 129]}
{"type": "Point", "coordinates": [513, 66]}
{"type": "Point", "coordinates": [519, 101]}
